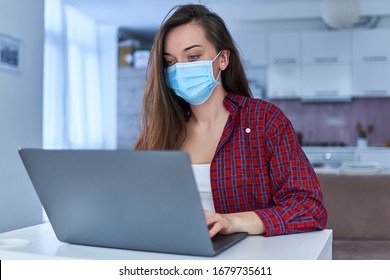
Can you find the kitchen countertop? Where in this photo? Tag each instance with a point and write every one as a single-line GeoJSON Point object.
{"type": "Point", "coordinates": [345, 148]}
{"type": "Point", "coordinates": [330, 159]}
{"type": "Point", "coordinates": [336, 170]}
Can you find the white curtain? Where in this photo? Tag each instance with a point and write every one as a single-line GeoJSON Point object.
{"type": "Point", "coordinates": [73, 115]}
{"type": "Point", "coordinates": [54, 84]}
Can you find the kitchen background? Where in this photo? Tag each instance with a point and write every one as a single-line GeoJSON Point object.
{"type": "Point", "coordinates": [327, 80]}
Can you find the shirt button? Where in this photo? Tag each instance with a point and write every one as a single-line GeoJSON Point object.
{"type": "Point", "coordinates": [248, 130]}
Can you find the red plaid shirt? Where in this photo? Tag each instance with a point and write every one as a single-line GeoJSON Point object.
{"type": "Point", "coordinates": [259, 166]}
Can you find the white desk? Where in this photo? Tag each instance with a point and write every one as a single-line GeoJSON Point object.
{"type": "Point", "coordinates": [44, 245]}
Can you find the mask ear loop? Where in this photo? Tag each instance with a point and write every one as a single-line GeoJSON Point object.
{"type": "Point", "coordinates": [219, 74]}
{"type": "Point", "coordinates": [217, 56]}
{"type": "Point", "coordinates": [220, 70]}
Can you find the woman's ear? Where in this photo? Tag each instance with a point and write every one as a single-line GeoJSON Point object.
{"type": "Point", "coordinates": [224, 59]}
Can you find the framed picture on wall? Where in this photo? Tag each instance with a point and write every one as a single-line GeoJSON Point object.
{"type": "Point", "coordinates": [10, 53]}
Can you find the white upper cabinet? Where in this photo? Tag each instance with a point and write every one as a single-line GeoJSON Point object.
{"type": "Point", "coordinates": [371, 46]}
{"type": "Point", "coordinates": [283, 81]}
{"type": "Point", "coordinates": [328, 64]}
{"type": "Point", "coordinates": [371, 68]}
{"type": "Point", "coordinates": [326, 67]}
{"type": "Point", "coordinates": [327, 81]}
{"type": "Point", "coordinates": [326, 46]}
{"type": "Point", "coordinates": [284, 57]}
{"type": "Point", "coordinates": [284, 48]}
{"type": "Point", "coordinates": [252, 46]}
{"type": "Point", "coordinates": [371, 79]}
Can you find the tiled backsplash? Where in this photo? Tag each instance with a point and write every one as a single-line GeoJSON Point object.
{"type": "Point", "coordinates": [336, 122]}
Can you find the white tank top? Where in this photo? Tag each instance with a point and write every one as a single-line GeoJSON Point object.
{"type": "Point", "coordinates": [202, 178]}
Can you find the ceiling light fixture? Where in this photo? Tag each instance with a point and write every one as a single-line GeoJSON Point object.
{"type": "Point", "coordinates": [340, 13]}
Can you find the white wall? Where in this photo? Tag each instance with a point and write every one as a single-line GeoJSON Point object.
{"type": "Point", "coordinates": [20, 112]}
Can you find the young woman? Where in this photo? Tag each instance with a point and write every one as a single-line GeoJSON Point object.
{"type": "Point", "coordinates": [245, 150]}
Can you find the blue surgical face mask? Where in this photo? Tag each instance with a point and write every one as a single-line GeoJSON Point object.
{"type": "Point", "coordinates": [193, 81]}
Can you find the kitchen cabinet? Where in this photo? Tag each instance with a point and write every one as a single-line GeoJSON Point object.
{"type": "Point", "coordinates": [371, 68]}
{"type": "Point", "coordinates": [326, 47]}
{"type": "Point", "coordinates": [252, 47]}
{"type": "Point", "coordinates": [321, 65]}
{"type": "Point", "coordinates": [284, 74]}
{"type": "Point", "coordinates": [326, 65]}
{"type": "Point", "coordinates": [371, 79]}
{"type": "Point", "coordinates": [326, 81]}
{"type": "Point", "coordinates": [371, 46]}
{"type": "Point", "coordinates": [284, 81]}
{"type": "Point", "coordinates": [279, 54]}
{"type": "Point", "coordinates": [316, 65]}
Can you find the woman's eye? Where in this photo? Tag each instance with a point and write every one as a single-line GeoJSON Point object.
{"type": "Point", "coordinates": [193, 57]}
{"type": "Point", "coordinates": [169, 63]}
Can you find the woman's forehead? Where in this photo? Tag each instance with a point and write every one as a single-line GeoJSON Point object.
{"type": "Point", "coordinates": [184, 36]}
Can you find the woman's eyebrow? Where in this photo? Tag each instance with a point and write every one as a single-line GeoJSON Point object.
{"type": "Point", "coordinates": [191, 47]}
{"type": "Point", "coordinates": [186, 49]}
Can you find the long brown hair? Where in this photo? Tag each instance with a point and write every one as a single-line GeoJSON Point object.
{"type": "Point", "coordinates": [163, 114]}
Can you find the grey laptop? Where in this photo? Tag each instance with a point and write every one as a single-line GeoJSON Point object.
{"type": "Point", "coordinates": [138, 200]}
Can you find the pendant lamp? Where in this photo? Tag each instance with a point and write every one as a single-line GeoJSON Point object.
{"type": "Point", "coordinates": [340, 13]}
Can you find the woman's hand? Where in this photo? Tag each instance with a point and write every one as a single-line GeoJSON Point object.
{"type": "Point", "coordinates": [218, 223]}
{"type": "Point", "coordinates": [235, 222]}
